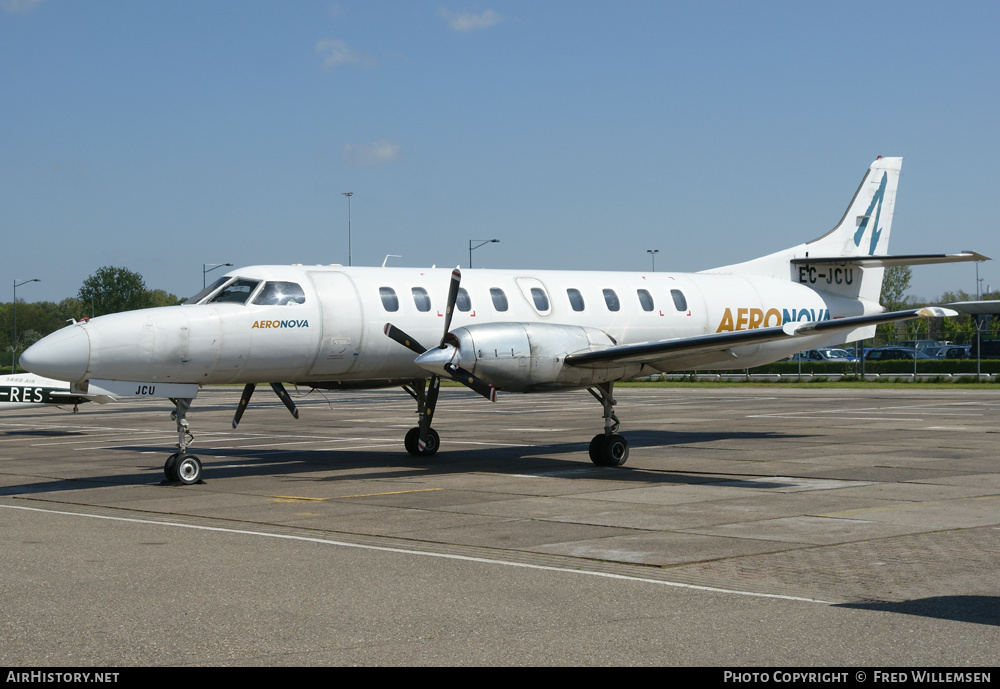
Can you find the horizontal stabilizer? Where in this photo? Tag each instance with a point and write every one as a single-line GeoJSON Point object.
{"type": "Point", "coordinates": [886, 261]}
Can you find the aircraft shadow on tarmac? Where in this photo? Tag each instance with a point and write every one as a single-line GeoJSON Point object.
{"type": "Point", "coordinates": [975, 609]}
{"type": "Point", "coordinates": [43, 433]}
{"type": "Point", "coordinates": [219, 463]}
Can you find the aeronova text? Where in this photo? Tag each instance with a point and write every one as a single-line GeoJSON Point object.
{"type": "Point", "coordinates": [753, 318]}
{"type": "Point", "coordinates": [280, 324]}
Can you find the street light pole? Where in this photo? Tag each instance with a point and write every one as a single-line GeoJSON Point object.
{"type": "Point", "coordinates": [205, 270]}
{"type": "Point", "coordinates": [348, 194]}
{"type": "Point", "coordinates": [13, 356]}
{"type": "Point", "coordinates": [481, 242]}
{"type": "Point", "coordinates": [652, 254]}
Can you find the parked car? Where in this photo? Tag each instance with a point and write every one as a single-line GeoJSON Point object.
{"type": "Point", "coordinates": [894, 354]}
{"type": "Point", "coordinates": [825, 354]}
{"type": "Point", "coordinates": [953, 352]}
{"type": "Point", "coordinates": [921, 345]}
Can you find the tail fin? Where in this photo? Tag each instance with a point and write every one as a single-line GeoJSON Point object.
{"type": "Point", "coordinates": [864, 229]}
{"type": "Point", "coordinates": [836, 262]}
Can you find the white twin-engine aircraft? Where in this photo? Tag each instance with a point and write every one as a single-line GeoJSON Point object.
{"type": "Point", "coordinates": [336, 327]}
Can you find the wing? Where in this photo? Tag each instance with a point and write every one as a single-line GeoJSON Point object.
{"type": "Point", "coordinates": [665, 350]}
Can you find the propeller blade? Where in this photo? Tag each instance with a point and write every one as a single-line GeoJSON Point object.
{"type": "Point", "coordinates": [402, 338]}
{"type": "Point", "coordinates": [460, 375]}
{"type": "Point", "coordinates": [244, 401]}
{"type": "Point", "coordinates": [431, 402]}
{"type": "Point", "coordinates": [456, 281]}
{"type": "Point", "coordinates": [279, 390]}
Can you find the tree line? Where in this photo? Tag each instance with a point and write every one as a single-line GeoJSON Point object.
{"type": "Point", "coordinates": [109, 290]}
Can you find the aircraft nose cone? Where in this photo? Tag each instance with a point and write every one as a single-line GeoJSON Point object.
{"type": "Point", "coordinates": [63, 355]}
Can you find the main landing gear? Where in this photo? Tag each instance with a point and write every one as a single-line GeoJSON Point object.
{"type": "Point", "coordinates": [608, 449]}
{"type": "Point", "coordinates": [182, 467]}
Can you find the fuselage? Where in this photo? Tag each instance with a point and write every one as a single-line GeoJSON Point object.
{"type": "Point", "coordinates": [324, 324]}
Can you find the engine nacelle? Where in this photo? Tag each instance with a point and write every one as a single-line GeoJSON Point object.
{"type": "Point", "coordinates": [526, 357]}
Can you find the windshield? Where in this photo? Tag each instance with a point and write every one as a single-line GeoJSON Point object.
{"type": "Point", "coordinates": [208, 290]}
{"type": "Point", "coordinates": [236, 292]}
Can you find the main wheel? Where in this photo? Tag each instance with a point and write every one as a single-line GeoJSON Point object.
{"type": "Point", "coordinates": [170, 468]}
{"type": "Point", "coordinates": [614, 451]}
{"type": "Point", "coordinates": [412, 442]}
{"type": "Point", "coordinates": [188, 469]}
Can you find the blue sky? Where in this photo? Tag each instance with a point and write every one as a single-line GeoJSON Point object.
{"type": "Point", "coordinates": [159, 136]}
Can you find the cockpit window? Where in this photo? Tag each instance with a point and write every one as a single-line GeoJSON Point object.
{"type": "Point", "coordinates": [279, 294]}
{"type": "Point", "coordinates": [208, 290]}
{"type": "Point", "coordinates": [237, 292]}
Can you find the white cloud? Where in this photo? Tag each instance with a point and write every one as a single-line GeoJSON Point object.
{"type": "Point", "coordinates": [467, 21]}
{"type": "Point", "coordinates": [338, 53]}
{"type": "Point", "coordinates": [368, 155]}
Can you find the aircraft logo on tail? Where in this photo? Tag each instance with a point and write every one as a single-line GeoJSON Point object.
{"type": "Point", "coordinates": [876, 230]}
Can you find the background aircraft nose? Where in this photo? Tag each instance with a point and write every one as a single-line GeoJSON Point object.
{"type": "Point", "coordinates": [63, 355]}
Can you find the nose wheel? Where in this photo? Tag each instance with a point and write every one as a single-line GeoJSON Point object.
{"type": "Point", "coordinates": [182, 468]}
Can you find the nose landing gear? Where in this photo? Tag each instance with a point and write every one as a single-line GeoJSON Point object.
{"type": "Point", "coordinates": [182, 467]}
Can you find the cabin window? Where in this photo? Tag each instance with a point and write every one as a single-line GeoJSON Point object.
{"type": "Point", "coordinates": [421, 299]}
{"type": "Point", "coordinates": [463, 302]}
{"type": "Point", "coordinates": [499, 299]}
{"type": "Point", "coordinates": [611, 299]}
{"type": "Point", "coordinates": [540, 298]}
{"type": "Point", "coordinates": [237, 292]}
{"type": "Point", "coordinates": [390, 302]}
{"type": "Point", "coordinates": [575, 299]}
{"type": "Point", "coordinates": [679, 301]}
{"type": "Point", "coordinates": [646, 299]}
{"type": "Point", "coordinates": [280, 294]}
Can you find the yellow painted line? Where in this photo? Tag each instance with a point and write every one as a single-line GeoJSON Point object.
{"type": "Point", "coordinates": [294, 498]}
{"type": "Point", "coordinates": [395, 492]}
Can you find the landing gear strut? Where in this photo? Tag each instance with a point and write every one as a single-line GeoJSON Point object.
{"type": "Point", "coordinates": [180, 466]}
{"type": "Point", "coordinates": [608, 449]}
{"type": "Point", "coordinates": [426, 399]}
